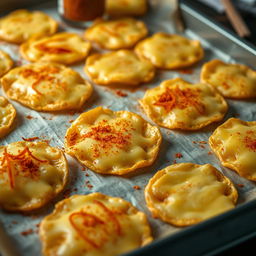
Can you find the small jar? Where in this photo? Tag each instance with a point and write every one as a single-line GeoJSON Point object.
{"type": "Point", "coordinates": [81, 12]}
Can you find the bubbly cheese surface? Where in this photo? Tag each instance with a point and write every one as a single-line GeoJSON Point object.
{"type": "Point", "coordinates": [177, 104]}
{"type": "Point", "coordinates": [112, 142]}
{"type": "Point", "coordinates": [31, 174]}
{"type": "Point", "coordinates": [94, 225]}
{"type": "Point", "coordinates": [231, 80]}
{"type": "Point", "coordinates": [121, 67]}
{"type": "Point", "coordinates": [64, 48]}
{"type": "Point", "coordinates": [6, 63]}
{"type": "Point", "coordinates": [117, 34]}
{"type": "Point", "coordinates": [170, 51]}
{"type": "Point", "coordinates": [126, 7]}
{"type": "Point", "coordinates": [46, 87]}
{"type": "Point", "coordinates": [185, 194]}
{"type": "Point", "coordinates": [20, 25]}
{"type": "Point", "coordinates": [234, 142]}
{"type": "Point", "coordinates": [7, 116]}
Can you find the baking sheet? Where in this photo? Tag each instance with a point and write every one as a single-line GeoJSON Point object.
{"type": "Point", "coordinates": [52, 126]}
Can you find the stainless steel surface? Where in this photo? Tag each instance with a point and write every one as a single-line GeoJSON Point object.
{"type": "Point", "coordinates": [218, 37]}
{"type": "Point", "coordinates": [218, 43]}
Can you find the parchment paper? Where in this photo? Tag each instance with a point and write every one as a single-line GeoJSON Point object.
{"type": "Point", "coordinates": [53, 126]}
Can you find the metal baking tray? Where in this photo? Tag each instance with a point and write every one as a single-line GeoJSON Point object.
{"type": "Point", "coordinates": [206, 238]}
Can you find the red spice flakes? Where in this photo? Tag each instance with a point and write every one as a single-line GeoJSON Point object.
{"type": "Point", "coordinates": [240, 185]}
{"type": "Point", "coordinates": [88, 185]}
{"type": "Point", "coordinates": [110, 137]}
{"type": "Point", "coordinates": [48, 142]}
{"type": "Point", "coordinates": [71, 121]}
{"type": "Point", "coordinates": [177, 98]}
{"type": "Point", "coordinates": [27, 232]}
{"type": "Point", "coordinates": [201, 146]}
{"type": "Point", "coordinates": [84, 169]}
{"type": "Point", "coordinates": [14, 222]}
{"type": "Point", "coordinates": [136, 187]}
{"type": "Point", "coordinates": [210, 153]}
{"type": "Point", "coordinates": [174, 162]}
{"type": "Point", "coordinates": [28, 163]}
{"type": "Point", "coordinates": [67, 193]}
{"type": "Point", "coordinates": [87, 175]}
{"type": "Point", "coordinates": [250, 142]}
{"type": "Point", "coordinates": [42, 74]}
{"type": "Point", "coordinates": [29, 117]}
{"type": "Point", "coordinates": [203, 142]}
{"type": "Point", "coordinates": [121, 94]}
{"type": "Point", "coordinates": [30, 139]}
{"type": "Point", "coordinates": [185, 71]}
{"type": "Point", "coordinates": [178, 155]}
{"type": "Point", "coordinates": [90, 220]}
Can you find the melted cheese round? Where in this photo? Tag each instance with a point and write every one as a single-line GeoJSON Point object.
{"type": "Point", "coordinates": [231, 80]}
{"type": "Point", "coordinates": [7, 116]}
{"type": "Point", "coordinates": [65, 48]}
{"type": "Point", "coordinates": [170, 51]}
{"type": "Point", "coordinates": [177, 104]}
{"type": "Point", "coordinates": [6, 63]}
{"type": "Point", "coordinates": [112, 142]}
{"type": "Point", "coordinates": [31, 174]}
{"type": "Point", "coordinates": [126, 7]}
{"type": "Point", "coordinates": [234, 142]}
{"type": "Point", "coordinates": [185, 194]}
{"type": "Point", "coordinates": [46, 87]}
{"type": "Point", "coordinates": [121, 67]}
{"type": "Point", "coordinates": [117, 34]}
{"type": "Point", "coordinates": [20, 25]}
{"type": "Point", "coordinates": [94, 225]}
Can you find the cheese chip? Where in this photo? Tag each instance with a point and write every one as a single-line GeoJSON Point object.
{"type": "Point", "coordinates": [31, 174]}
{"type": "Point", "coordinates": [7, 116]}
{"type": "Point", "coordinates": [112, 142]}
{"type": "Point", "coordinates": [185, 194]}
{"type": "Point", "coordinates": [234, 142]}
{"type": "Point", "coordinates": [6, 63]}
{"type": "Point", "coordinates": [46, 87]}
{"type": "Point", "coordinates": [117, 34]}
{"type": "Point", "coordinates": [231, 80]}
{"type": "Point", "coordinates": [121, 67]}
{"type": "Point", "coordinates": [20, 25]}
{"type": "Point", "coordinates": [94, 225]}
{"type": "Point", "coordinates": [170, 51]}
{"type": "Point", "coordinates": [177, 104]}
{"type": "Point", "coordinates": [126, 7]}
{"type": "Point", "coordinates": [64, 48]}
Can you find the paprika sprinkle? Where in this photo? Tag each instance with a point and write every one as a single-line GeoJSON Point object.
{"type": "Point", "coordinates": [180, 98]}
{"type": "Point", "coordinates": [23, 164]}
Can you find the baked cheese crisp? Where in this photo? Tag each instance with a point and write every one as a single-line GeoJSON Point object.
{"type": "Point", "coordinates": [6, 63]}
{"type": "Point", "coordinates": [64, 48]}
{"type": "Point", "coordinates": [170, 51]}
{"type": "Point", "coordinates": [95, 225]}
{"type": "Point", "coordinates": [234, 142]}
{"type": "Point", "coordinates": [126, 7]}
{"type": "Point", "coordinates": [121, 67]}
{"type": "Point", "coordinates": [185, 194]}
{"type": "Point", "coordinates": [20, 25]}
{"type": "Point", "coordinates": [31, 174]}
{"type": "Point", "coordinates": [117, 34]}
{"type": "Point", "coordinates": [46, 87]}
{"type": "Point", "coordinates": [7, 116]}
{"type": "Point", "coordinates": [111, 142]}
{"type": "Point", "coordinates": [177, 104]}
{"type": "Point", "coordinates": [231, 80]}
